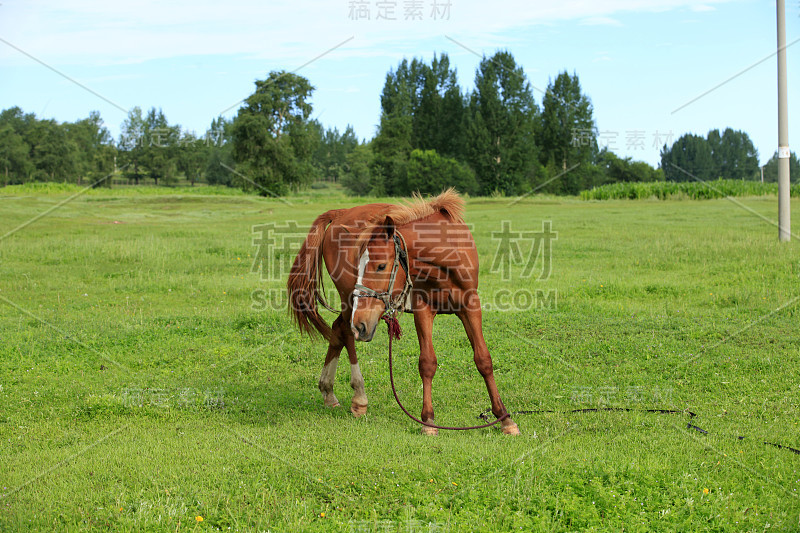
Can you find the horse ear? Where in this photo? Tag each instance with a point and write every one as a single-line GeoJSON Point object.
{"type": "Point", "coordinates": [388, 225]}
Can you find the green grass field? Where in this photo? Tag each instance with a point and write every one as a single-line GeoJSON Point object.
{"type": "Point", "coordinates": [144, 386]}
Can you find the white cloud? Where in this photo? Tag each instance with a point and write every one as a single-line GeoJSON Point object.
{"type": "Point", "coordinates": [702, 8]}
{"type": "Point", "coordinates": [601, 57]}
{"type": "Point", "coordinates": [600, 21]}
{"type": "Point", "coordinates": [86, 32]}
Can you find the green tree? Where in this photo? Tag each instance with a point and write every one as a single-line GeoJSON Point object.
{"type": "Point", "coordinates": [95, 147]}
{"type": "Point", "coordinates": [220, 153]}
{"type": "Point", "coordinates": [192, 157]}
{"type": "Point", "coordinates": [422, 107]}
{"type": "Point", "coordinates": [33, 149]}
{"type": "Point", "coordinates": [567, 134]}
{"type": "Point", "coordinates": [332, 149]}
{"type": "Point", "coordinates": [393, 142]}
{"type": "Point", "coordinates": [160, 150]}
{"type": "Point", "coordinates": [53, 154]}
{"type": "Point", "coordinates": [501, 126]}
{"type": "Point", "coordinates": [361, 176]}
{"type": "Point", "coordinates": [734, 155]}
{"type": "Point", "coordinates": [15, 163]}
{"type": "Point", "coordinates": [272, 138]}
{"type": "Point", "coordinates": [688, 159]}
{"type": "Point", "coordinates": [430, 173]}
{"type": "Point", "coordinates": [15, 146]}
{"type": "Point", "coordinates": [617, 169]}
{"type": "Point", "coordinates": [18, 120]}
{"type": "Point", "coordinates": [771, 169]}
{"type": "Point", "coordinates": [392, 147]}
{"type": "Point", "coordinates": [131, 144]}
{"type": "Point", "coordinates": [438, 111]}
{"type": "Point", "coordinates": [105, 165]}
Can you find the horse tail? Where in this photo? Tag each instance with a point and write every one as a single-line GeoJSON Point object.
{"type": "Point", "coordinates": [305, 279]}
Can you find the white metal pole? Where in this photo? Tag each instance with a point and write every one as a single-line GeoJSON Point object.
{"type": "Point", "coordinates": [784, 217]}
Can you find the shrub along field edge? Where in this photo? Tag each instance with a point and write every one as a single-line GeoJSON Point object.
{"type": "Point", "coordinates": [672, 190]}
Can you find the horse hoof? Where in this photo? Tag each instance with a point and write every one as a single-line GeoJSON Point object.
{"type": "Point", "coordinates": [511, 429]}
{"type": "Point", "coordinates": [358, 410]}
{"type": "Point", "coordinates": [427, 430]}
{"type": "Point", "coordinates": [331, 401]}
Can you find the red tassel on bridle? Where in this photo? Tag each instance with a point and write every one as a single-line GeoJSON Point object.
{"type": "Point", "coordinates": [394, 327]}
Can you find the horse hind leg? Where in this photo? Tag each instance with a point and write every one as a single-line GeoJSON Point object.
{"type": "Point", "coordinates": [471, 318]}
{"type": "Point", "coordinates": [423, 321]}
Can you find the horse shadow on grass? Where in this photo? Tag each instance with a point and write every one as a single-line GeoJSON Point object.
{"type": "Point", "coordinates": [271, 405]}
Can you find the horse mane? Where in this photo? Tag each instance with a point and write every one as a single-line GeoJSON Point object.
{"type": "Point", "coordinates": [449, 203]}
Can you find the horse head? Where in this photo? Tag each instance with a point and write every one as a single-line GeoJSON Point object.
{"type": "Point", "coordinates": [382, 279]}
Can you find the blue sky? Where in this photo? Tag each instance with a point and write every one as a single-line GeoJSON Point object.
{"type": "Point", "coordinates": [638, 61]}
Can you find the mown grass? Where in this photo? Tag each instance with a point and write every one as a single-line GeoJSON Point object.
{"type": "Point", "coordinates": [691, 190]}
{"type": "Point", "coordinates": [142, 387]}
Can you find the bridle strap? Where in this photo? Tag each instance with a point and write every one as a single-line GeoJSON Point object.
{"type": "Point", "coordinates": [392, 305]}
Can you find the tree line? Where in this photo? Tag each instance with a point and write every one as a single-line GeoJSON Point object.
{"type": "Point", "coordinates": [494, 139]}
{"type": "Point", "coordinates": [730, 155]}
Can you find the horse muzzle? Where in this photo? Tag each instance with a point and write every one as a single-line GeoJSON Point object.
{"type": "Point", "coordinates": [363, 332]}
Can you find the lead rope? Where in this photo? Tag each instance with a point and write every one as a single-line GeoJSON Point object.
{"type": "Point", "coordinates": [393, 327]}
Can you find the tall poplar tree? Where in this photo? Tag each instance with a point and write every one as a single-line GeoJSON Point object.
{"type": "Point", "coordinates": [131, 144]}
{"type": "Point", "coordinates": [567, 135]}
{"type": "Point", "coordinates": [422, 108]}
{"type": "Point", "coordinates": [501, 125]}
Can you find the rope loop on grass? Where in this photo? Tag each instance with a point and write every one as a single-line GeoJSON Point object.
{"type": "Point", "coordinates": [484, 415]}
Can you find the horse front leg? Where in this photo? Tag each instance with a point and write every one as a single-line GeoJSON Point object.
{"type": "Point", "coordinates": [471, 317]}
{"type": "Point", "coordinates": [358, 405]}
{"type": "Point", "coordinates": [343, 338]}
{"type": "Point", "coordinates": [423, 321]}
{"type": "Point", "coordinates": [328, 375]}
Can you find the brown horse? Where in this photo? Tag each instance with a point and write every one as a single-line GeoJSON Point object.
{"type": "Point", "coordinates": [382, 257]}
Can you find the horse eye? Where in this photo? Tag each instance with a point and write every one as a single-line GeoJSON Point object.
{"type": "Point", "coordinates": [381, 267]}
